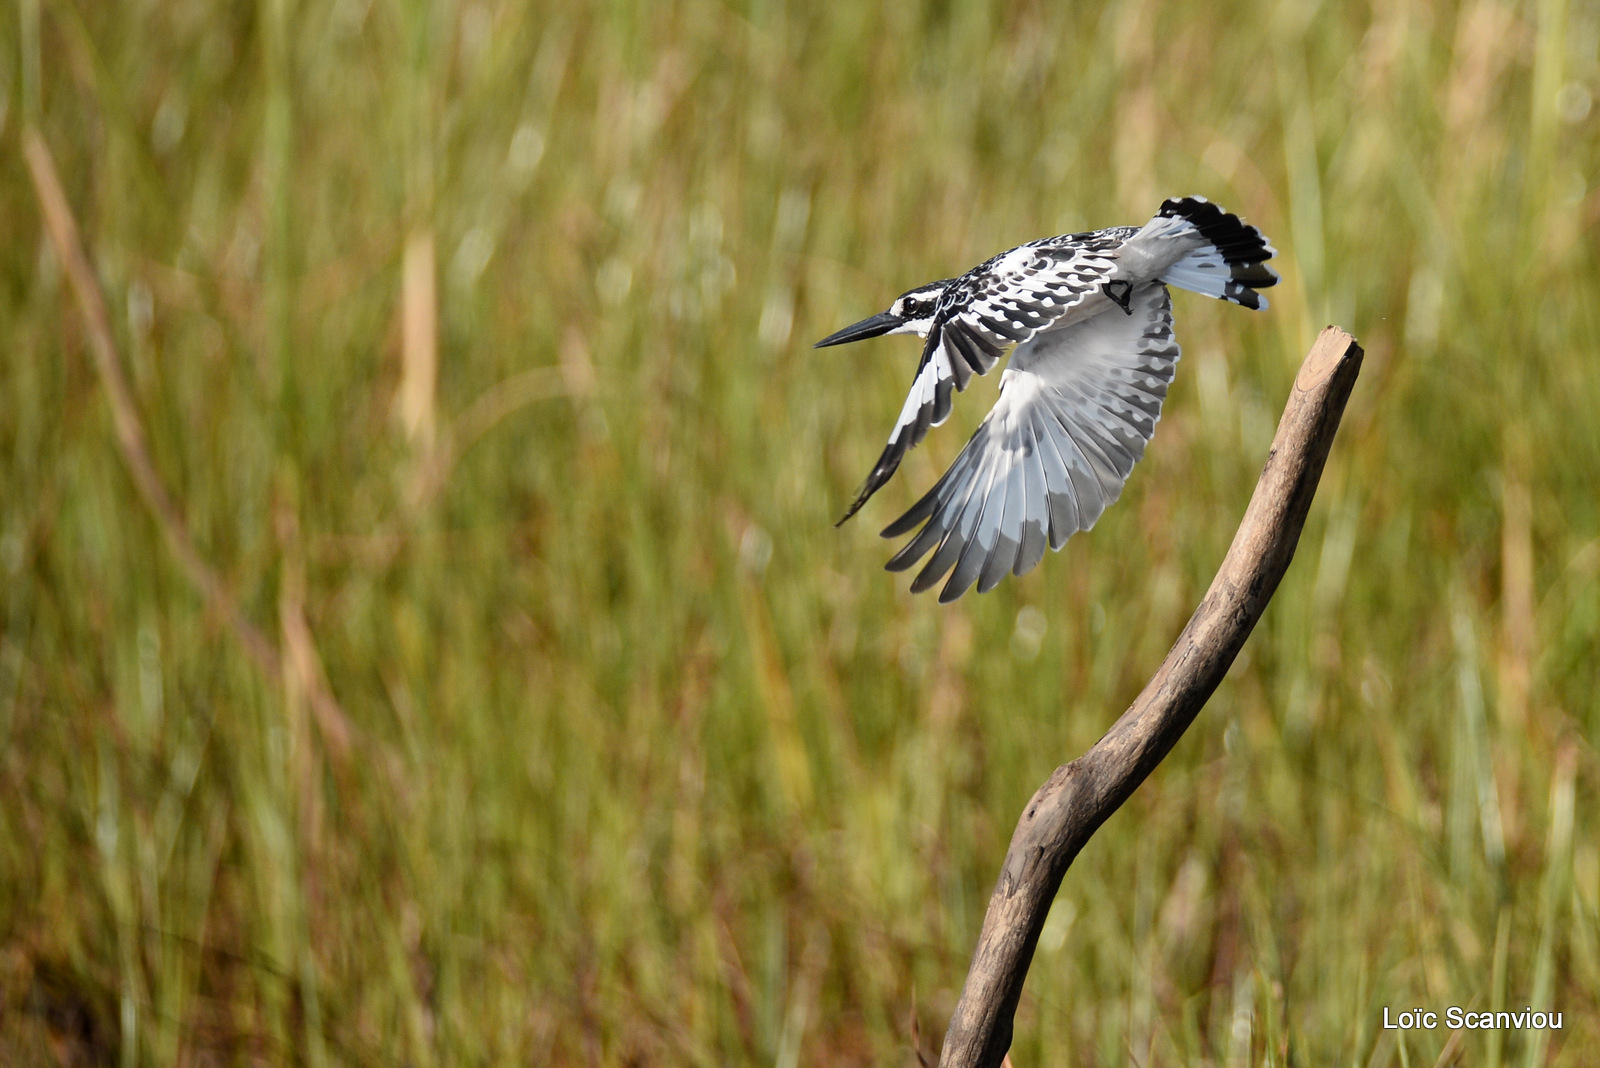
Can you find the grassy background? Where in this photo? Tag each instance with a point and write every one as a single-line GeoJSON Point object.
{"type": "Point", "coordinates": [647, 763]}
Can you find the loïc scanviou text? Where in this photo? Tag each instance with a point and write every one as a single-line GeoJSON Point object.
{"type": "Point", "coordinates": [1455, 1017]}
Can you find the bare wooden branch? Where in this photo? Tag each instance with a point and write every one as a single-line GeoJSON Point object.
{"type": "Point", "coordinates": [1080, 796]}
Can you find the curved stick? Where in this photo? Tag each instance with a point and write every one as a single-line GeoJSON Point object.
{"type": "Point", "coordinates": [1080, 796]}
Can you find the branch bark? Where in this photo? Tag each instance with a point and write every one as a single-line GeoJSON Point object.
{"type": "Point", "coordinates": [1066, 811]}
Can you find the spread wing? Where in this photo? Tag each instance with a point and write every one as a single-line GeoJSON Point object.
{"type": "Point", "coordinates": [1076, 407]}
{"type": "Point", "coordinates": [1003, 302]}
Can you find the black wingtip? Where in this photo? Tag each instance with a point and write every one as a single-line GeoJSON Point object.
{"type": "Point", "coordinates": [914, 515]}
{"type": "Point", "coordinates": [863, 493]}
{"type": "Point", "coordinates": [951, 592]}
{"type": "Point", "coordinates": [882, 471]}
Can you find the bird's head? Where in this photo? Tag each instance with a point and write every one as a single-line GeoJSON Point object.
{"type": "Point", "coordinates": [911, 313]}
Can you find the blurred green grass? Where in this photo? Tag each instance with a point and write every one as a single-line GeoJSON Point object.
{"type": "Point", "coordinates": [649, 763]}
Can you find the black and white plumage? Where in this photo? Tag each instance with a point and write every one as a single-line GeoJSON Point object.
{"type": "Point", "coordinates": [1091, 320]}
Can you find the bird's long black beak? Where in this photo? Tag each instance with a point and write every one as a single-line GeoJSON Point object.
{"type": "Point", "coordinates": [879, 324]}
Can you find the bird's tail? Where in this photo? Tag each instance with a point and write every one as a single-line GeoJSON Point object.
{"type": "Point", "coordinates": [1230, 263]}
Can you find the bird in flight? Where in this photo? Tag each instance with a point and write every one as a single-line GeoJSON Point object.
{"type": "Point", "coordinates": [1091, 320]}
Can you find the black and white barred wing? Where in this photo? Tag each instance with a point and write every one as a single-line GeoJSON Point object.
{"type": "Point", "coordinates": [1005, 301]}
{"type": "Point", "coordinates": [1076, 408]}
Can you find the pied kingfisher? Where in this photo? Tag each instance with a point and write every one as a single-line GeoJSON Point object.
{"type": "Point", "coordinates": [1092, 322]}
